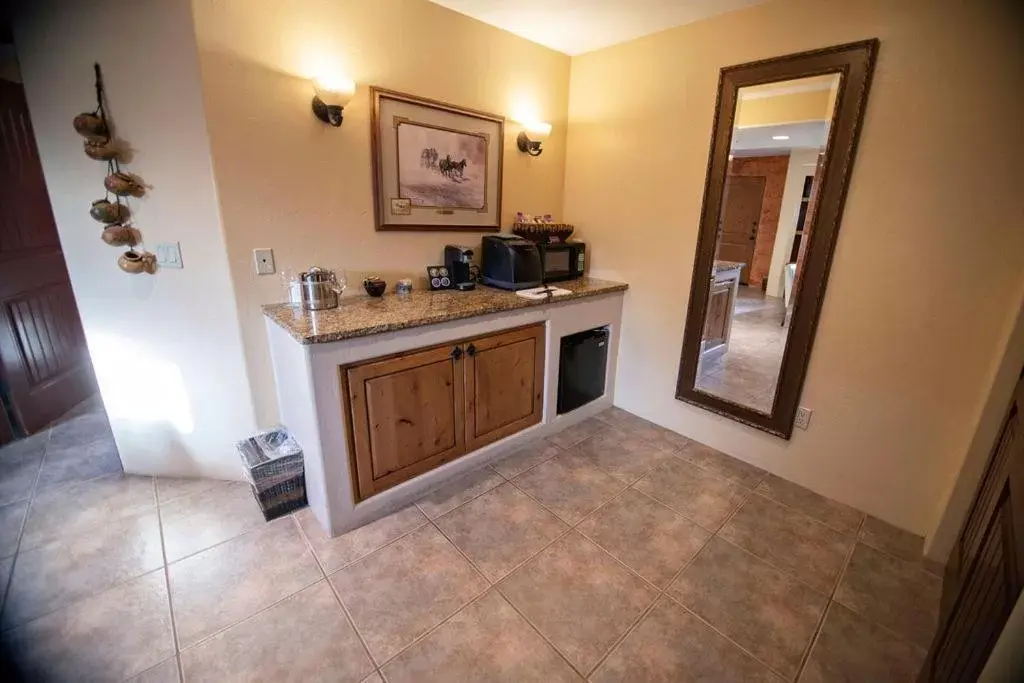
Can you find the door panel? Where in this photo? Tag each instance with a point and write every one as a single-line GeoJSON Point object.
{"type": "Point", "coordinates": [504, 384]}
{"type": "Point", "coordinates": [406, 416]}
{"type": "Point", "coordinates": [740, 215]}
{"type": "Point", "coordinates": [985, 572]}
{"type": "Point", "coordinates": [43, 356]}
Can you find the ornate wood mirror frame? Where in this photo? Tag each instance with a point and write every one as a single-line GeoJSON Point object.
{"type": "Point", "coordinates": [854, 64]}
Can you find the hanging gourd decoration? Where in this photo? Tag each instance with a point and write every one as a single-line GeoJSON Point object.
{"type": "Point", "coordinates": [118, 235]}
{"type": "Point", "coordinates": [106, 211]}
{"type": "Point", "coordinates": [99, 144]}
{"type": "Point", "coordinates": [123, 184]}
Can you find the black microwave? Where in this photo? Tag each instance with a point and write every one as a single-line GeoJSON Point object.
{"type": "Point", "coordinates": [562, 260]}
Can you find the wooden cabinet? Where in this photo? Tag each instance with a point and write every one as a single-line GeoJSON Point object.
{"type": "Point", "coordinates": [504, 384]}
{"type": "Point", "coordinates": [410, 413]}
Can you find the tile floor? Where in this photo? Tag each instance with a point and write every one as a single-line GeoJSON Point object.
{"type": "Point", "coordinates": [614, 550]}
{"type": "Point", "coordinates": [747, 372]}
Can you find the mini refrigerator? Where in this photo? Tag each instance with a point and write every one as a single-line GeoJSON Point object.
{"type": "Point", "coordinates": [582, 368]}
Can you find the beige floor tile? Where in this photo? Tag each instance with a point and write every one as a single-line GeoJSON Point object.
{"type": "Point", "coordinates": [373, 678]}
{"type": "Point", "coordinates": [646, 430]}
{"type": "Point", "coordinates": [229, 582]}
{"type": "Point", "coordinates": [622, 454]}
{"type": "Point", "coordinates": [790, 540]}
{"type": "Point", "coordinates": [693, 492]}
{"type": "Point", "coordinates": [500, 529]}
{"type": "Point", "coordinates": [79, 450]}
{"type": "Point", "coordinates": [578, 597]}
{"type": "Point", "coordinates": [652, 539]}
{"type": "Point", "coordinates": [306, 637]}
{"type": "Point", "coordinates": [569, 485]}
{"type": "Point", "coordinates": [169, 488]}
{"type": "Point", "coordinates": [572, 435]}
{"type": "Point", "coordinates": [11, 518]}
{"type": "Point", "coordinates": [204, 519]}
{"type": "Point", "coordinates": [110, 636]}
{"type": "Point", "coordinates": [893, 540]}
{"type": "Point", "coordinates": [727, 467]}
{"type": "Point", "coordinates": [851, 648]}
{"type": "Point", "coordinates": [401, 592]}
{"type": "Point", "coordinates": [670, 645]}
{"type": "Point", "coordinates": [71, 510]}
{"type": "Point", "coordinates": [335, 553]}
{"type": "Point", "coordinates": [164, 672]}
{"type": "Point", "coordinates": [486, 641]}
{"type": "Point", "coordinates": [522, 459]}
{"type": "Point", "coordinates": [765, 610]}
{"type": "Point", "coordinates": [455, 493]}
{"type": "Point", "coordinates": [21, 461]}
{"type": "Point", "coordinates": [53, 575]}
{"type": "Point", "coordinates": [827, 511]}
{"type": "Point", "coordinates": [897, 594]}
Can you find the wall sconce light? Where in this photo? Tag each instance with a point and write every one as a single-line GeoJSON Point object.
{"type": "Point", "coordinates": [330, 99]}
{"type": "Point", "coordinates": [533, 134]}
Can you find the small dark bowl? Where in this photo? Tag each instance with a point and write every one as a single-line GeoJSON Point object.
{"type": "Point", "coordinates": [375, 287]}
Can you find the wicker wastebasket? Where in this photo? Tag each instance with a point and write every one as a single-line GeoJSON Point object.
{"type": "Point", "coordinates": [274, 466]}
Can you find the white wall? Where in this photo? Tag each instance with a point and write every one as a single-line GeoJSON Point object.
{"type": "Point", "coordinates": [801, 165]}
{"type": "Point", "coordinates": [167, 348]}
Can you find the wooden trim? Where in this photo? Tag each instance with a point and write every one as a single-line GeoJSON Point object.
{"type": "Point", "coordinates": [854, 62]}
{"type": "Point", "coordinates": [489, 343]}
{"type": "Point", "coordinates": [376, 93]}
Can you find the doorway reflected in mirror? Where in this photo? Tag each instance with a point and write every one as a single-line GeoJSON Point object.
{"type": "Point", "coordinates": [778, 142]}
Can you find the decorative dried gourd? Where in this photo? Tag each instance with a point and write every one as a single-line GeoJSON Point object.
{"type": "Point", "coordinates": [100, 150]}
{"type": "Point", "coordinates": [118, 235]}
{"type": "Point", "coordinates": [108, 212]}
{"type": "Point", "coordinates": [134, 262]}
{"type": "Point", "coordinates": [123, 184]}
{"type": "Point", "coordinates": [91, 126]}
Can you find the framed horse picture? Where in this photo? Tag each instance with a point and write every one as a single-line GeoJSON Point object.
{"type": "Point", "coordinates": [436, 166]}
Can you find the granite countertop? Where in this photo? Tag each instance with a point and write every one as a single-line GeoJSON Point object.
{"type": "Point", "coordinates": [719, 266]}
{"type": "Point", "coordinates": [363, 315]}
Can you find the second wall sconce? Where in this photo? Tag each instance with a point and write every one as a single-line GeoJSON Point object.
{"type": "Point", "coordinates": [330, 99]}
{"type": "Point", "coordinates": [533, 134]}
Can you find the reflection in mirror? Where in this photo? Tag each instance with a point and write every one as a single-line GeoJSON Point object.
{"type": "Point", "coordinates": [779, 138]}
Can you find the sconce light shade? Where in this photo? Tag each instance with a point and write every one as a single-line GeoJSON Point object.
{"type": "Point", "coordinates": [533, 134]}
{"type": "Point", "coordinates": [330, 99]}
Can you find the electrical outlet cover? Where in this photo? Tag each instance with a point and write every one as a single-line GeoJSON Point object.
{"type": "Point", "coordinates": [803, 417]}
{"type": "Point", "coordinates": [264, 259]}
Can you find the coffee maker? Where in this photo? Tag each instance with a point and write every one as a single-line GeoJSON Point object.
{"type": "Point", "coordinates": [459, 262]}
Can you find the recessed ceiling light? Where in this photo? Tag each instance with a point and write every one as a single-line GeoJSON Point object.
{"type": "Point", "coordinates": [780, 137]}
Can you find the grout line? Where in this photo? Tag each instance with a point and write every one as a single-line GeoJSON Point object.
{"type": "Point", "coordinates": [416, 504]}
{"type": "Point", "coordinates": [466, 557]}
{"type": "Point", "coordinates": [167, 586]}
{"type": "Point", "coordinates": [334, 591]}
{"type": "Point", "coordinates": [375, 550]}
{"type": "Point", "coordinates": [626, 634]}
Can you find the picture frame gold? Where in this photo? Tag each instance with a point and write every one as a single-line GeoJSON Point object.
{"type": "Point", "coordinates": [436, 166]}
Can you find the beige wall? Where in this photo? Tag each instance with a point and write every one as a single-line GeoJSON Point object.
{"type": "Point", "coordinates": [928, 272]}
{"type": "Point", "coordinates": [289, 182]}
{"type": "Point", "coordinates": [166, 348]}
{"type": "Point", "coordinates": [789, 108]}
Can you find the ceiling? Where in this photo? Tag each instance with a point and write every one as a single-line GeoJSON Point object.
{"type": "Point", "coordinates": [578, 26]}
{"type": "Point", "coordinates": [757, 140]}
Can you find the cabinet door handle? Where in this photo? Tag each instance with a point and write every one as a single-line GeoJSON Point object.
{"type": "Point", "coordinates": [457, 353]}
{"type": "Point", "coordinates": [470, 350]}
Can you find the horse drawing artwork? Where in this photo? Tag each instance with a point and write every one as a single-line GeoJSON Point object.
{"type": "Point", "coordinates": [451, 169]}
{"type": "Point", "coordinates": [428, 159]}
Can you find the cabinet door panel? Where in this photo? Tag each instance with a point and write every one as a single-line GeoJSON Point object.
{"type": "Point", "coordinates": [406, 417]}
{"type": "Point", "coordinates": [504, 384]}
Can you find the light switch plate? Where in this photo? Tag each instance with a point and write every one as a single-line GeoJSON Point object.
{"type": "Point", "coordinates": [264, 259]}
{"type": "Point", "coordinates": [168, 255]}
{"type": "Point", "coordinates": [803, 417]}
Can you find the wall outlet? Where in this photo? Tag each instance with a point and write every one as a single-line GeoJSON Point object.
{"type": "Point", "coordinates": [803, 417]}
{"type": "Point", "coordinates": [168, 255]}
{"type": "Point", "coordinates": [264, 259]}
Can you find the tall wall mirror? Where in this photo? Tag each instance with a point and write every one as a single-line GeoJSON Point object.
{"type": "Point", "coordinates": [782, 150]}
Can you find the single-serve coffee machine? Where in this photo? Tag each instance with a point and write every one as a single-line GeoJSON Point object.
{"type": "Point", "coordinates": [459, 262]}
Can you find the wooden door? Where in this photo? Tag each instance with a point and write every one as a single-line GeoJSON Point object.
{"type": "Point", "coordinates": [504, 384]}
{"type": "Point", "coordinates": [985, 571]}
{"type": "Point", "coordinates": [406, 416]}
{"type": "Point", "coordinates": [44, 361]}
{"type": "Point", "coordinates": [737, 227]}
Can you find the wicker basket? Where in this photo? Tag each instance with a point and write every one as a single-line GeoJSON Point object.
{"type": "Point", "coordinates": [275, 468]}
{"type": "Point", "coordinates": [543, 232]}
